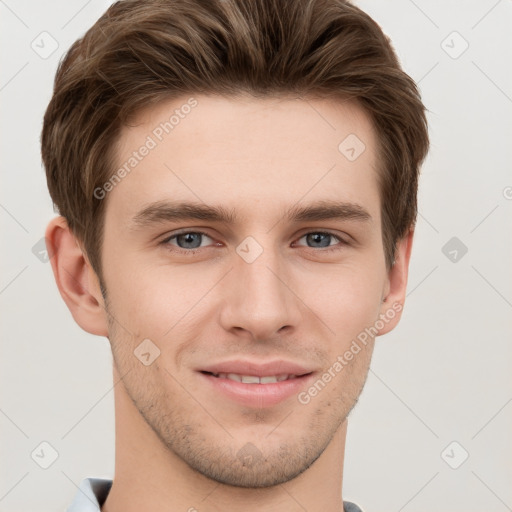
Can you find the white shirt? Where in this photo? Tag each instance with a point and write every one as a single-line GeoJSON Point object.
{"type": "Point", "coordinates": [93, 492]}
{"type": "Point", "coordinates": [91, 495]}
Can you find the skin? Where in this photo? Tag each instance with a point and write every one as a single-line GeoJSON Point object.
{"type": "Point", "coordinates": [177, 441]}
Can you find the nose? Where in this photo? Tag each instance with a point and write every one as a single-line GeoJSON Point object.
{"type": "Point", "coordinates": [260, 298]}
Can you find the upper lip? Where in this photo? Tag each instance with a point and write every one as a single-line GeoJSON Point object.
{"type": "Point", "coordinates": [262, 369]}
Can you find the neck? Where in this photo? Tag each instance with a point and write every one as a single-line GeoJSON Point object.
{"type": "Point", "coordinates": [148, 476]}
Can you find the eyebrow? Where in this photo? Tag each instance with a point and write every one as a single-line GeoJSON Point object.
{"type": "Point", "coordinates": [168, 211]}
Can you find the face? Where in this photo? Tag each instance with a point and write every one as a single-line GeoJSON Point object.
{"type": "Point", "coordinates": [245, 244]}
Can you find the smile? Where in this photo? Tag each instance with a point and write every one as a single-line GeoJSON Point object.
{"type": "Point", "coordinates": [254, 391]}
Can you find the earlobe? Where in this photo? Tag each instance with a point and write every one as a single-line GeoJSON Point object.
{"type": "Point", "coordinates": [393, 303]}
{"type": "Point", "coordinates": [76, 280]}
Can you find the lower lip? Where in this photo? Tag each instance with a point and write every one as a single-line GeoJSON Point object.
{"type": "Point", "coordinates": [258, 395]}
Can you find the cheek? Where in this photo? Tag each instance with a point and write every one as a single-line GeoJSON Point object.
{"type": "Point", "coordinates": [345, 297]}
{"type": "Point", "coordinates": [156, 300]}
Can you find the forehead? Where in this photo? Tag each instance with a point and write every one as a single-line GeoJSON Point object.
{"type": "Point", "coordinates": [251, 155]}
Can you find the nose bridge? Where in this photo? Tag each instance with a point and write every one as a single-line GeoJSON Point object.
{"type": "Point", "coordinates": [260, 300]}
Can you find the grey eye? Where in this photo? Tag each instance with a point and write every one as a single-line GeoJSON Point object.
{"type": "Point", "coordinates": [318, 239]}
{"type": "Point", "coordinates": [188, 240]}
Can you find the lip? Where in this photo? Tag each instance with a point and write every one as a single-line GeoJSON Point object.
{"type": "Point", "coordinates": [265, 369]}
{"type": "Point", "coordinates": [257, 395]}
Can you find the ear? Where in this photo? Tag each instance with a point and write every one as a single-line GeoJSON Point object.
{"type": "Point", "coordinates": [76, 280]}
{"type": "Point", "coordinates": [396, 285]}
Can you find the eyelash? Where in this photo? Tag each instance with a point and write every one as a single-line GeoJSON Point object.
{"type": "Point", "coordinates": [191, 252]}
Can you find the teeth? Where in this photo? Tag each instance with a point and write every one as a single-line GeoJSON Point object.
{"type": "Point", "coordinates": [250, 379]}
{"type": "Point", "coordinates": [254, 379]}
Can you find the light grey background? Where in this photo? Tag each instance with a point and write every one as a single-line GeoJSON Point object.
{"type": "Point", "coordinates": [443, 375]}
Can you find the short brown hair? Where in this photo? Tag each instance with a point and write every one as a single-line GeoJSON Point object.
{"type": "Point", "coordinates": [141, 52]}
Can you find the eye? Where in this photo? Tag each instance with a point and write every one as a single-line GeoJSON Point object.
{"type": "Point", "coordinates": [186, 241]}
{"type": "Point", "coordinates": [321, 240]}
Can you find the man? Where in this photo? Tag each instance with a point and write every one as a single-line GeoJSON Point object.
{"type": "Point", "coordinates": [237, 187]}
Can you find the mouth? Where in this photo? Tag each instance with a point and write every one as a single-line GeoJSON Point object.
{"type": "Point", "coordinates": [255, 385]}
